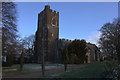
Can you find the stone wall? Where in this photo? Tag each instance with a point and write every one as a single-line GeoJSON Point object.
{"type": "Point", "coordinates": [47, 39]}
{"type": "Point", "coordinates": [93, 53]}
{"type": "Point", "coordinates": [48, 23]}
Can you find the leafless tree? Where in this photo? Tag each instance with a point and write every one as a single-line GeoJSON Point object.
{"type": "Point", "coordinates": [9, 28]}
{"type": "Point", "coordinates": [110, 39]}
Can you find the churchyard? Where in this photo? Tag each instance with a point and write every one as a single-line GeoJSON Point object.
{"type": "Point", "coordinates": [92, 70]}
{"type": "Point", "coordinates": [28, 68]}
{"type": "Point", "coordinates": [45, 54]}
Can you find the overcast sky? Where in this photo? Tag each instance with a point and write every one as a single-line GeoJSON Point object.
{"type": "Point", "coordinates": [78, 20]}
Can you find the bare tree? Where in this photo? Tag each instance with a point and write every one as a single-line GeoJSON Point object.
{"type": "Point", "coordinates": [110, 39]}
{"type": "Point", "coordinates": [29, 41]}
{"type": "Point", "coordinates": [9, 28]}
{"type": "Point", "coordinates": [29, 44]}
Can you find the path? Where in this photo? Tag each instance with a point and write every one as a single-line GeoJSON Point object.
{"type": "Point", "coordinates": [47, 72]}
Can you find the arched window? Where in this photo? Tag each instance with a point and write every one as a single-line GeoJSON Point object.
{"type": "Point", "coordinates": [54, 22]}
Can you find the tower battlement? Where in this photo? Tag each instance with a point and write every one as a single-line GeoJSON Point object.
{"type": "Point", "coordinates": [65, 40]}
{"type": "Point", "coordinates": [47, 38]}
{"type": "Point", "coordinates": [47, 8]}
{"type": "Point", "coordinates": [48, 28]}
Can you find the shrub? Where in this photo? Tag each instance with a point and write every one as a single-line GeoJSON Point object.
{"type": "Point", "coordinates": [112, 69]}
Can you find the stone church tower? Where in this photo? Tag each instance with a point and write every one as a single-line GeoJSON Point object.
{"type": "Point", "coordinates": [47, 35]}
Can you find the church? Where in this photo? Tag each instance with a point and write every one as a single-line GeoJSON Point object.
{"type": "Point", "coordinates": [47, 39]}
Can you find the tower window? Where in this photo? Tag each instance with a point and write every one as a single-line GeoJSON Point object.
{"type": "Point", "coordinates": [52, 34]}
{"type": "Point", "coordinates": [53, 21]}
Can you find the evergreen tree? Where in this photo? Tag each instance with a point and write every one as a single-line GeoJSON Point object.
{"type": "Point", "coordinates": [77, 51]}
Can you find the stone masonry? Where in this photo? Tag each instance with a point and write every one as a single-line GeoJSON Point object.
{"type": "Point", "coordinates": [47, 39]}
{"type": "Point", "coordinates": [49, 20]}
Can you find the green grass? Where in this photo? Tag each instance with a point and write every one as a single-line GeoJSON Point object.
{"type": "Point", "coordinates": [93, 70]}
{"type": "Point", "coordinates": [26, 69]}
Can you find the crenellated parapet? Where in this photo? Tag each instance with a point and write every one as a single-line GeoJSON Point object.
{"type": "Point", "coordinates": [62, 43]}
{"type": "Point", "coordinates": [65, 40]}
{"type": "Point", "coordinates": [47, 39]}
{"type": "Point", "coordinates": [48, 28]}
{"type": "Point", "coordinates": [47, 8]}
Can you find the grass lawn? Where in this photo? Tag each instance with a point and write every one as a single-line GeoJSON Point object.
{"type": "Point", "coordinates": [93, 70]}
{"type": "Point", "coordinates": [17, 66]}
{"type": "Point", "coordinates": [27, 68]}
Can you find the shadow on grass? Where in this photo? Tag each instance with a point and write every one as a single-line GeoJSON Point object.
{"type": "Point", "coordinates": [93, 70]}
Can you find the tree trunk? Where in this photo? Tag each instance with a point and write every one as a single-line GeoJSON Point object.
{"type": "Point", "coordinates": [43, 64]}
{"type": "Point", "coordinates": [65, 59]}
{"type": "Point", "coordinates": [65, 66]}
{"type": "Point", "coordinates": [42, 55]}
{"type": "Point", "coordinates": [21, 61]}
